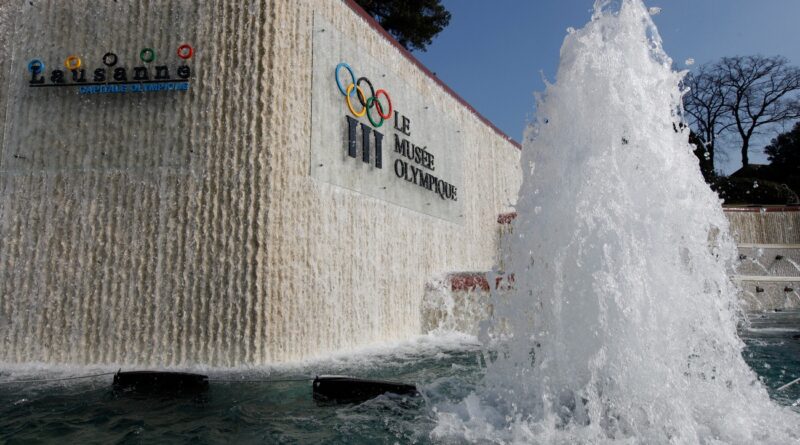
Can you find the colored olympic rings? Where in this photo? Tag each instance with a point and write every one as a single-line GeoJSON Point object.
{"type": "Point", "coordinates": [147, 55]}
{"type": "Point", "coordinates": [350, 103]}
{"type": "Point", "coordinates": [36, 66]}
{"type": "Point", "coordinates": [354, 88]}
{"type": "Point", "coordinates": [371, 89]}
{"type": "Point", "coordinates": [110, 59]}
{"type": "Point", "coordinates": [185, 51]}
{"type": "Point", "coordinates": [339, 83]}
{"type": "Point", "coordinates": [378, 105]}
{"type": "Point", "coordinates": [72, 63]}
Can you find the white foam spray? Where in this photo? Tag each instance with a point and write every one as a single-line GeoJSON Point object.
{"type": "Point", "coordinates": [622, 324]}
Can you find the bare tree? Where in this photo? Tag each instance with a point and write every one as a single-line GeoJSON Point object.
{"type": "Point", "coordinates": [759, 91]}
{"type": "Point", "coordinates": [706, 108]}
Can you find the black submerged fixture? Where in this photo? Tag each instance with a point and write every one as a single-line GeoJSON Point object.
{"type": "Point", "coordinates": [343, 389]}
{"type": "Point", "coordinates": [333, 389]}
{"type": "Point", "coordinates": [159, 382]}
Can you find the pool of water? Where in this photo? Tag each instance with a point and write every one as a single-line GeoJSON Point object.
{"type": "Point", "coordinates": [445, 368]}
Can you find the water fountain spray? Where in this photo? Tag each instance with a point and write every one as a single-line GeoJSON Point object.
{"type": "Point", "coordinates": [622, 322]}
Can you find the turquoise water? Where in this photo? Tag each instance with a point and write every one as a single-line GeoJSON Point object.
{"type": "Point", "coordinates": [773, 351]}
{"type": "Point", "coordinates": [284, 412]}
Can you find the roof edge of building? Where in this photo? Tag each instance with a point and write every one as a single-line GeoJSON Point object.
{"type": "Point", "coordinates": [376, 26]}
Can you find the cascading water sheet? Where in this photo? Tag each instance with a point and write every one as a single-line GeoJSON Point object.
{"type": "Point", "coordinates": [622, 323]}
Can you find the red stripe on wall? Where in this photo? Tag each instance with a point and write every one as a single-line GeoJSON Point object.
{"type": "Point", "coordinates": [506, 218]}
{"type": "Point", "coordinates": [471, 281]}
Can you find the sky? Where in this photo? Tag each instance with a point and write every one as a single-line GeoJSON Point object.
{"type": "Point", "coordinates": [495, 52]}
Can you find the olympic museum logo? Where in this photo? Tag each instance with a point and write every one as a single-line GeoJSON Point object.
{"type": "Point", "coordinates": [413, 163]}
{"type": "Point", "coordinates": [381, 133]}
{"type": "Point", "coordinates": [113, 77]}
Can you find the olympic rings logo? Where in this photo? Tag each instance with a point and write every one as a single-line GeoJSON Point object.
{"type": "Point", "coordinates": [354, 89]}
{"type": "Point", "coordinates": [74, 62]}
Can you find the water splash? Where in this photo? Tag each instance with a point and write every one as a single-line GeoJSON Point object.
{"type": "Point", "coordinates": [622, 326]}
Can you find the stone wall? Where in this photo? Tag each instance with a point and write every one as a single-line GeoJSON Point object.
{"type": "Point", "coordinates": [769, 251]}
{"type": "Point", "coordinates": [177, 229]}
{"type": "Point", "coordinates": [765, 225]}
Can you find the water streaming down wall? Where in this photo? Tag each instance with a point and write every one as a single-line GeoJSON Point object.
{"type": "Point", "coordinates": [769, 252]}
{"type": "Point", "coordinates": [767, 225]}
{"type": "Point", "coordinates": [120, 240]}
{"type": "Point", "coordinates": [183, 229]}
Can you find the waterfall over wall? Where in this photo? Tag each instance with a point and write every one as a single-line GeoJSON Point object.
{"type": "Point", "coordinates": [183, 228]}
{"type": "Point", "coordinates": [120, 241]}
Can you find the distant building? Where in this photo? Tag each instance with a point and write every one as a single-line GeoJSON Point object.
{"type": "Point", "coordinates": [750, 171]}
